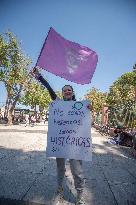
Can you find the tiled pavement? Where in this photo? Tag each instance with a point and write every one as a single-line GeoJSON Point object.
{"type": "Point", "coordinates": [27, 177]}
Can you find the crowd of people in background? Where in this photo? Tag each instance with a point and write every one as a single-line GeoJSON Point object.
{"type": "Point", "coordinates": [26, 118]}
{"type": "Point", "coordinates": [35, 118]}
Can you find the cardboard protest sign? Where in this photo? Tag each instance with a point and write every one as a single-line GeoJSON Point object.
{"type": "Point", "coordinates": [69, 130]}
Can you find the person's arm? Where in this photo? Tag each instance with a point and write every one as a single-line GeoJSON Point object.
{"type": "Point", "coordinates": [49, 88]}
{"type": "Point", "coordinates": [44, 82]}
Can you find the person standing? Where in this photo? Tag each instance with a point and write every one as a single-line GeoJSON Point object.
{"type": "Point", "coordinates": [75, 165]}
{"type": "Point", "coordinates": [27, 119]}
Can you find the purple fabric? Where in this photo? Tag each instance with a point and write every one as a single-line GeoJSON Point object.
{"type": "Point", "coordinates": [67, 59]}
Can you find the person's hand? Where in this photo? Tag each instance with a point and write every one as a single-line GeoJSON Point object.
{"type": "Point", "coordinates": [89, 106]}
{"type": "Point", "coordinates": [34, 72]}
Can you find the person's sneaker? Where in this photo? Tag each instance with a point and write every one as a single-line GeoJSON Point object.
{"type": "Point", "coordinates": [80, 201]}
{"type": "Point", "coordinates": [59, 196]}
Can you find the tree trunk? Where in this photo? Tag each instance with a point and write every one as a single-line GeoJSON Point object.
{"type": "Point", "coordinates": [35, 108]}
{"type": "Point", "coordinates": [135, 93]}
{"type": "Point", "coordinates": [6, 108]}
{"type": "Point", "coordinates": [10, 117]}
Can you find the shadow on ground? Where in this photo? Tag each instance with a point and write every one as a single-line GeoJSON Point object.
{"type": "Point", "coordinates": [30, 178]}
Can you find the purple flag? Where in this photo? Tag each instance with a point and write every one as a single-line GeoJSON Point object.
{"type": "Point", "coordinates": [67, 59]}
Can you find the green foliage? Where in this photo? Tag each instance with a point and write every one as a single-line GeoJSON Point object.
{"type": "Point", "coordinates": [13, 64]}
{"type": "Point", "coordinates": [122, 89]}
{"type": "Point", "coordinates": [36, 94]}
{"type": "Point", "coordinates": [121, 100]}
{"type": "Point", "coordinates": [124, 114]}
{"type": "Point", "coordinates": [13, 68]}
{"type": "Point", "coordinates": [97, 99]}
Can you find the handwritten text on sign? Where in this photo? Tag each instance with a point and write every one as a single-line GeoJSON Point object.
{"type": "Point", "coordinates": [69, 130]}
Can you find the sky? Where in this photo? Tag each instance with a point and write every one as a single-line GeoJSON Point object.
{"type": "Point", "coordinates": [106, 26]}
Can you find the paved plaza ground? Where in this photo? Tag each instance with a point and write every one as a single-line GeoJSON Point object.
{"type": "Point", "coordinates": [28, 177]}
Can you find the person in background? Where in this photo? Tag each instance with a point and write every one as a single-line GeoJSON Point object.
{"type": "Point", "coordinates": [27, 119]}
{"type": "Point", "coordinates": [33, 120]}
{"type": "Point", "coordinates": [123, 137]}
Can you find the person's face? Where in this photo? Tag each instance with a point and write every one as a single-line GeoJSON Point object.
{"type": "Point", "coordinates": [67, 93]}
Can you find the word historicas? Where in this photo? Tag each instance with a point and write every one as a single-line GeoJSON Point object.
{"type": "Point", "coordinates": [77, 141]}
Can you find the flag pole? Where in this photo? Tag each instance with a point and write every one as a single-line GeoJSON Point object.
{"type": "Point", "coordinates": [43, 46]}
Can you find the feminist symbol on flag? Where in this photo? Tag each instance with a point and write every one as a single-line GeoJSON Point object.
{"type": "Point", "coordinates": [74, 59]}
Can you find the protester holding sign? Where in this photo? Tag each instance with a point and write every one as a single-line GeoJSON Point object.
{"type": "Point", "coordinates": [76, 165]}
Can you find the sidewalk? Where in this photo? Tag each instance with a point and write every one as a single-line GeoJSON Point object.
{"type": "Point", "coordinates": [28, 177]}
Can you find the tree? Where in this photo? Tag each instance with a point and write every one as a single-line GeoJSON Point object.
{"type": "Point", "coordinates": [13, 70]}
{"type": "Point", "coordinates": [121, 100]}
{"type": "Point", "coordinates": [96, 98]}
{"type": "Point", "coordinates": [36, 94]}
{"type": "Point", "coordinates": [134, 70]}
